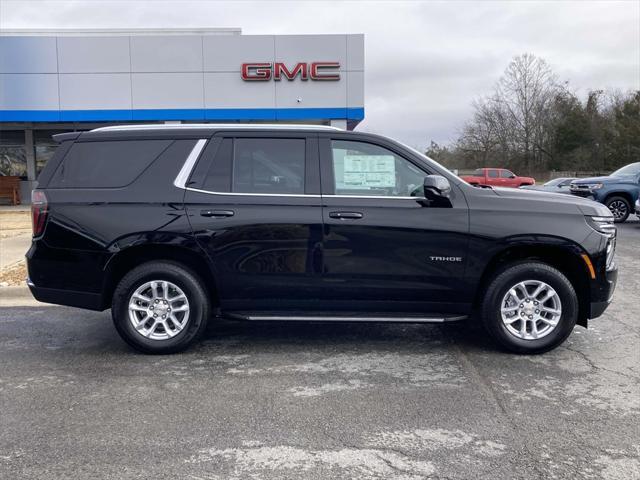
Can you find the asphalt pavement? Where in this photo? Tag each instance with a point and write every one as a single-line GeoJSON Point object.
{"type": "Point", "coordinates": [321, 401]}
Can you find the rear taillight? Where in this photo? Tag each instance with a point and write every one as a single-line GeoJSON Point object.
{"type": "Point", "coordinates": [39, 211]}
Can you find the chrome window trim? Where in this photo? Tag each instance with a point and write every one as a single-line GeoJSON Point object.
{"type": "Point", "coordinates": [189, 164]}
{"type": "Point", "coordinates": [185, 171]}
{"type": "Point", "coordinates": [253, 194]}
{"type": "Point", "coordinates": [386, 197]}
{"type": "Point", "coordinates": [209, 192]}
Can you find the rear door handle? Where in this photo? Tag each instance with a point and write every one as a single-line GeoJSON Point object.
{"type": "Point", "coordinates": [346, 215]}
{"type": "Point", "coordinates": [217, 213]}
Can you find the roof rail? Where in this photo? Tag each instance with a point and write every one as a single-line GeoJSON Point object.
{"type": "Point", "coordinates": [214, 126]}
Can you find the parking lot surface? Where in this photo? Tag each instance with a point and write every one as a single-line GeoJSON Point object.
{"type": "Point", "coordinates": [321, 401]}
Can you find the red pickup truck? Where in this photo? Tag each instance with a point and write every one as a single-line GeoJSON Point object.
{"type": "Point", "coordinates": [497, 177]}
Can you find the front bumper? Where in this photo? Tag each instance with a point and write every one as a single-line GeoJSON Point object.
{"type": "Point", "coordinates": [588, 194]}
{"type": "Point", "coordinates": [602, 293]}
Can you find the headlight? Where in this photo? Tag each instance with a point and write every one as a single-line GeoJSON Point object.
{"type": "Point", "coordinates": [594, 186]}
{"type": "Point", "coordinates": [603, 225]}
{"type": "Point", "coordinates": [611, 251]}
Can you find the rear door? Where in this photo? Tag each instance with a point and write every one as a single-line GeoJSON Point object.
{"type": "Point", "coordinates": [493, 177]}
{"type": "Point", "coordinates": [254, 205]}
{"type": "Point", "coordinates": [385, 247]}
{"type": "Point", "coordinates": [508, 179]}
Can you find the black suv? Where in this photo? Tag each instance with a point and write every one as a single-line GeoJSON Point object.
{"type": "Point", "coordinates": [171, 225]}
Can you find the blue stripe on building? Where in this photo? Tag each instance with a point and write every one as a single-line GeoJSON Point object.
{"type": "Point", "coordinates": [198, 114]}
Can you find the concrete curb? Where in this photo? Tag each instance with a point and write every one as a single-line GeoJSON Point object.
{"type": "Point", "coordinates": [19, 296]}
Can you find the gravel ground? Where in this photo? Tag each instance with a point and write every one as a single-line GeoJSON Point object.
{"type": "Point", "coordinates": [321, 401]}
{"type": "Point", "coordinates": [14, 223]}
{"type": "Point", "coordinates": [14, 275]}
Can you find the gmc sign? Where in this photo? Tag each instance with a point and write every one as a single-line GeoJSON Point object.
{"type": "Point", "coordinates": [265, 71]}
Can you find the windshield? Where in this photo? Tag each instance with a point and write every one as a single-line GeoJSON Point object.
{"type": "Point", "coordinates": [439, 169]}
{"type": "Point", "coordinates": [554, 182]}
{"type": "Point", "coordinates": [628, 171]}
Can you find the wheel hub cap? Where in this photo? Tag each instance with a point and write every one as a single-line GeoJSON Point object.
{"type": "Point", "coordinates": [158, 310]}
{"type": "Point", "coordinates": [531, 310]}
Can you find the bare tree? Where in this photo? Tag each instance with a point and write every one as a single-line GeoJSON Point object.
{"type": "Point", "coordinates": [514, 123]}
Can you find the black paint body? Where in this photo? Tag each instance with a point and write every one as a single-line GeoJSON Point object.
{"type": "Point", "coordinates": [287, 253]}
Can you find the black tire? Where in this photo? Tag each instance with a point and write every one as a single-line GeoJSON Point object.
{"type": "Point", "coordinates": [508, 277]}
{"type": "Point", "coordinates": [620, 207]}
{"type": "Point", "coordinates": [187, 281]}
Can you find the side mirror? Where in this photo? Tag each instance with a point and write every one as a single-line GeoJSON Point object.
{"type": "Point", "coordinates": [512, 175]}
{"type": "Point", "coordinates": [436, 187]}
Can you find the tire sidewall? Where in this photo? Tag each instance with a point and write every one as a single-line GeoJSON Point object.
{"type": "Point", "coordinates": [188, 283]}
{"type": "Point", "coordinates": [622, 199]}
{"type": "Point", "coordinates": [510, 277]}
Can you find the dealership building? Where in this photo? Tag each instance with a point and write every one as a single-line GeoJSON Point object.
{"type": "Point", "coordinates": [60, 81]}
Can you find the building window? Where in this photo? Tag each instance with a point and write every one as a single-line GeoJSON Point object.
{"type": "Point", "coordinates": [13, 159]}
{"type": "Point", "coordinates": [44, 146]}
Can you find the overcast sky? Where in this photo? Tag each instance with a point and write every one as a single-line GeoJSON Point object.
{"type": "Point", "coordinates": [425, 61]}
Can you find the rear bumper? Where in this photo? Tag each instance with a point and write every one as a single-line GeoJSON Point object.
{"type": "Point", "coordinates": [71, 298]}
{"type": "Point", "coordinates": [602, 293]}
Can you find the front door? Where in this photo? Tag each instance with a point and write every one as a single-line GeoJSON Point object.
{"type": "Point", "coordinates": [253, 201]}
{"type": "Point", "coordinates": [385, 247]}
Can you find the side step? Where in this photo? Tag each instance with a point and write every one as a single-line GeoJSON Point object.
{"type": "Point", "coordinates": [331, 317]}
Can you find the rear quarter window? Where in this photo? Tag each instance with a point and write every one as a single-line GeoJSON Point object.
{"type": "Point", "coordinates": [109, 164]}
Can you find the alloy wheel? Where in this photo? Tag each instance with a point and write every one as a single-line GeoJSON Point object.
{"type": "Point", "coordinates": [618, 208]}
{"type": "Point", "coordinates": [158, 310]}
{"type": "Point", "coordinates": [531, 310]}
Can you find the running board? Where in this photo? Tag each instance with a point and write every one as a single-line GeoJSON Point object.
{"type": "Point", "coordinates": [340, 318]}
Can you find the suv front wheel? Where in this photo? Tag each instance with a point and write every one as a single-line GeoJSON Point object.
{"type": "Point", "coordinates": [160, 307]}
{"type": "Point", "coordinates": [620, 207]}
{"type": "Point", "coordinates": [530, 308]}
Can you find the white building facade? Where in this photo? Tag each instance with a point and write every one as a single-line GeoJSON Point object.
{"type": "Point", "coordinates": [57, 81]}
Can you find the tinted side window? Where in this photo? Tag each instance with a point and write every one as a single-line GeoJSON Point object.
{"type": "Point", "coordinates": [361, 168]}
{"type": "Point", "coordinates": [213, 170]}
{"type": "Point", "coordinates": [506, 174]}
{"type": "Point", "coordinates": [493, 174]}
{"type": "Point", "coordinates": [109, 164]}
{"type": "Point", "coordinates": [268, 165]}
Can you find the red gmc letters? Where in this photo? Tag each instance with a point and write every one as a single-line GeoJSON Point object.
{"type": "Point", "coordinates": [265, 71]}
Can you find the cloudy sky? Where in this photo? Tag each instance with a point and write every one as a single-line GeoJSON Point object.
{"type": "Point", "coordinates": [425, 60]}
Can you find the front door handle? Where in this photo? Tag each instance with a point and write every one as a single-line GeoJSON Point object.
{"type": "Point", "coordinates": [217, 213]}
{"type": "Point", "coordinates": [346, 215]}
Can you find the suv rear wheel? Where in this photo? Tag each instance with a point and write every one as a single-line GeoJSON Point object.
{"type": "Point", "coordinates": [160, 307]}
{"type": "Point", "coordinates": [620, 207]}
{"type": "Point", "coordinates": [530, 308]}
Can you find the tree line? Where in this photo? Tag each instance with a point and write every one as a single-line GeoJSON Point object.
{"type": "Point", "coordinates": [532, 122]}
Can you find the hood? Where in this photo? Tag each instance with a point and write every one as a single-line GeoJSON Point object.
{"type": "Point", "coordinates": [548, 201]}
{"type": "Point", "coordinates": [607, 179]}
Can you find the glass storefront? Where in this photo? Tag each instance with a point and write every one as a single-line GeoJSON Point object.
{"type": "Point", "coordinates": [13, 158]}
{"type": "Point", "coordinates": [44, 146]}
